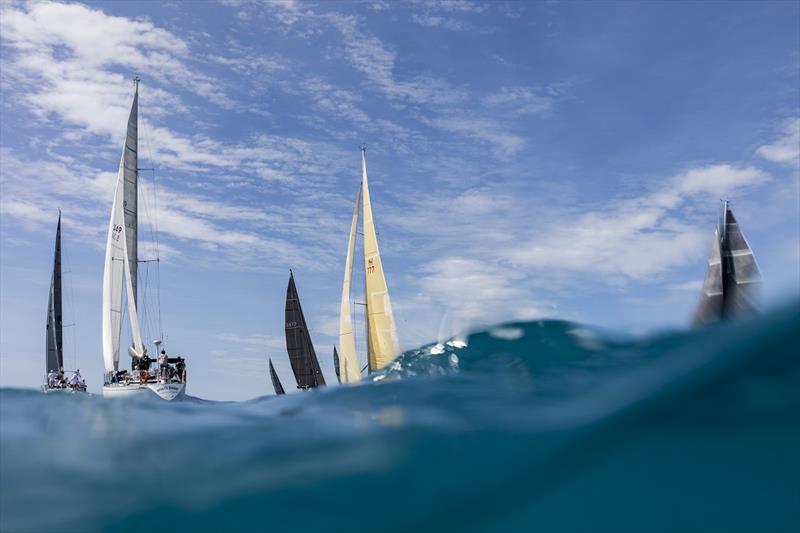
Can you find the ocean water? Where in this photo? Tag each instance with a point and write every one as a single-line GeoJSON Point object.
{"type": "Point", "coordinates": [537, 426]}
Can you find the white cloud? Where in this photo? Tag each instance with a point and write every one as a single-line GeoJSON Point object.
{"type": "Point", "coordinates": [436, 21]}
{"type": "Point", "coordinates": [522, 100]}
{"type": "Point", "coordinates": [371, 56]}
{"type": "Point", "coordinates": [486, 131]}
{"type": "Point", "coordinates": [785, 149]}
{"type": "Point", "coordinates": [637, 238]}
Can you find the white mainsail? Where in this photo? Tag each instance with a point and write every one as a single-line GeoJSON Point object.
{"type": "Point", "coordinates": [349, 369]}
{"type": "Point", "coordinates": [121, 249]}
{"type": "Point", "coordinates": [382, 344]}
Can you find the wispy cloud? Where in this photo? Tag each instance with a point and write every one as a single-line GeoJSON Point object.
{"type": "Point", "coordinates": [640, 237]}
{"type": "Point", "coordinates": [786, 148]}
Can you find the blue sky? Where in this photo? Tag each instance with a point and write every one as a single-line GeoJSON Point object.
{"type": "Point", "coordinates": [526, 160]}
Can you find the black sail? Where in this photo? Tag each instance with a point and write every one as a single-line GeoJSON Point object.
{"type": "Point", "coordinates": [54, 334]}
{"type": "Point", "coordinates": [733, 279]}
{"type": "Point", "coordinates": [298, 342]}
{"type": "Point", "coordinates": [276, 383]}
{"type": "Point", "coordinates": [336, 364]}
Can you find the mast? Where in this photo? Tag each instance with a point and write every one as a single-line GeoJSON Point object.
{"type": "Point", "coordinates": [121, 249]}
{"type": "Point", "coordinates": [347, 344]}
{"type": "Point", "coordinates": [276, 383]}
{"type": "Point", "coordinates": [298, 342]}
{"type": "Point", "coordinates": [54, 356]}
{"type": "Point", "coordinates": [382, 344]}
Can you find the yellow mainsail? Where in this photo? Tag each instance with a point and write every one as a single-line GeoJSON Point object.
{"type": "Point", "coordinates": [382, 345]}
{"type": "Point", "coordinates": [349, 369]}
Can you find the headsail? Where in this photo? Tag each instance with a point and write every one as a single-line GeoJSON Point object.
{"type": "Point", "coordinates": [732, 278]}
{"type": "Point", "coordinates": [298, 342]}
{"type": "Point", "coordinates": [276, 383]}
{"type": "Point", "coordinates": [347, 344]}
{"type": "Point", "coordinates": [709, 309]}
{"type": "Point", "coordinates": [382, 344]}
{"type": "Point", "coordinates": [55, 338]}
{"type": "Point", "coordinates": [121, 248]}
{"type": "Point", "coordinates": [336, 364]}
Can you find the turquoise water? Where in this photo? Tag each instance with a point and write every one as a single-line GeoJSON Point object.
{"type": "Point", "coordinates": [539, 426]}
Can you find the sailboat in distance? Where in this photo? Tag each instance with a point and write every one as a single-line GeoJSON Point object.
{"type": "Point", "coordinates": [305, 364]}
{"type": "Point", "coordinates": [120, 273]}
{"type": "Point", "coordinates": [336, 364]}
{"type": "Point", "coordinates": [56, 378]}
{"type": "Point", "coordinates": [382, 344]}
{"type": "Point", "coordinates": [732, 279]}
{"type": "Point", "coordinates": [276, 383]}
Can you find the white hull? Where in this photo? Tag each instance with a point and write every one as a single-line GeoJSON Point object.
{"type": "Point", "coordinates": [164, 391]}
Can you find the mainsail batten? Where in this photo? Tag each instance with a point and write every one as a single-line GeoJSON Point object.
{"type": "Point", "coordinates": [382, 344]}
{"type": "Point", "coordinates": [347, 343]}
{"type": "Point", "coordinates": [302, 357]}
{"type": "Point", "coordinates": [54, 335]}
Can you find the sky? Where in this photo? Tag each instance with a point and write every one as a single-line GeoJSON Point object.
{"type": "Point", "coordinates": [527, 160]}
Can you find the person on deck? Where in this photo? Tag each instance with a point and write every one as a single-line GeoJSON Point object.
{"type": "Point", "coordinates": [163, 365]}
{"type": "Point", "coordinates": [75, 380]}
{"type": "Point", "coordinates": [52, 377]}
{"type": "Point", "coordinates": [180, 366]}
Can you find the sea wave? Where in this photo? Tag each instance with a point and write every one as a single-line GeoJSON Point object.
{"type": "Point", "coordinates": [545, 425]}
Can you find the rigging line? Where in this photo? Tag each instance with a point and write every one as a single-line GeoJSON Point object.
{"type": "Point", "coordinates": [67, 258]}
{"type": "Point", "coordinates": [155, 227]}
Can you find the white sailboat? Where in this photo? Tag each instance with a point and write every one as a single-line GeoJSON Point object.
{"type": "Point", "coordinates": [382, 343]}
{"type": "Point", "coordinates": [120, 271]}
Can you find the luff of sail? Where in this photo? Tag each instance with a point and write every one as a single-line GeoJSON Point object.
{"type": "Point", "coordinates": [298, 342]}
{"type": "Point", "coordinates": [276, 383]}
{"type": "Point", "coordinates": [55, 339]}
{"type": "Point", "coordinates": [347, 345]}
{"type": "Point", "coordinates": [120, 244]}
{"type": "Point", "coordinates": [382, 344]}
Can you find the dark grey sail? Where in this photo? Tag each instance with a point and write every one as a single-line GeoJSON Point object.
{"type": "Point", "coordinates": [276, 383]}
{"type": "Point", "coordinates": [732, 280]}
{"type": "Point", "coordinates": [336, 364]}
{"type": "Point", "coordinates": [55, 337]}
{"type": "Point", "coordinates": [298, 342]}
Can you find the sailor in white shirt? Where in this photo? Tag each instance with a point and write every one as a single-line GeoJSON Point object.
{"type": "Point", "coordinates": [75, 380]}
{"type": "Point", "coordinates": [51, 379]}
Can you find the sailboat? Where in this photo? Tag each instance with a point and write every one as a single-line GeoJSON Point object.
{"type": "Point", "coordinates": [336, 364]}
{"type": "Point", "coordinates": [732, 279]}
{"type": "Point", "coordinates": [56, 378]}
{"type": "Point", "coordinates": [382, 344]}
{"type": "Point", "coordinates": [120, 273]}
{"type": "Point", "coordinates": [298, 342]}
{"type": "Point", "coordinates": [276, 383]}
